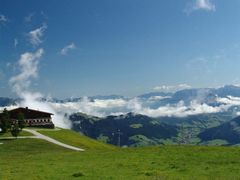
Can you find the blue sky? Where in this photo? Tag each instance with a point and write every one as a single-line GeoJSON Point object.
{"type": "Point", "coordinates": [125, 47]}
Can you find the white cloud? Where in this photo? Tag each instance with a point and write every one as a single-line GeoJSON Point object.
{"type": "Point", "coordinates": [28, 66]}
{"type": "Point", "coordinates": [97, 107]}
{"type": "Point", "coordinates": [29, 17]}
{"type": "Point", "coordinates": [102, 108]}
{"type": "Point", "coordinates": [158, 98]}
{"type": "Point", "coordinates": [181, 110]}
{"type": "Point", "coordinates": [44, 15]}
{"type": "Point", "coordinates": [167, 88]}
{"type": "Point", "coordinates": [66, 49]}
{"type": "Point", "coordinates": [8, 64]}
{"type": "Point", "coordinates": [15, 42]}
{"type": "Point", "coordinates": [36, 35]}
{"type": "Point", "coordinates": [229, 100]}
{"type": "Point", "coordinates": [206, 5]}
{"type": "Point", "coordinates": [3, 18]}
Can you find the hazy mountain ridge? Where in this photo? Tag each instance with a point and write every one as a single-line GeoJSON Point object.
{"type": "Point", "coordinates": [203, 95]}
{"type": "Point", "coordinates": [182, 103]}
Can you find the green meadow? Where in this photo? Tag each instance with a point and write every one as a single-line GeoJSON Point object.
{"type": "Point", "coordinates": [38, 159]}
{"type": "Point", "coordinates": [8, 134]}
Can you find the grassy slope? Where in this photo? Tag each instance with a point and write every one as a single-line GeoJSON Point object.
{"type": "Point", "coordinates": [37, 159]}
{"type": "Point", "coordinates": [74, 139]}
{"type": "Point", "coordinates": [22, 133]}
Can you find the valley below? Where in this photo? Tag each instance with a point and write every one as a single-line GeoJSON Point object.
{"type": "Point", "coordinates": [134, 130]}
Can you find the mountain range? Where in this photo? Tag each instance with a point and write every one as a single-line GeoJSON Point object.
{"type": "Point", "coordinates": [204, 95]}
{"type": "Point", "coordinates": [210, 117]}
{"type": "Point", "coordinates": [140, 130]}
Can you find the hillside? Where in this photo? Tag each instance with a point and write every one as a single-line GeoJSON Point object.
{"type": "Point", "coordinates": [132, 129]}
{"type": "Point", "coordinates": [229, 131]}
{"type": "Point", "coordinates": [75, 139]}
{"type": "Point", "coordinates": [38, 159]}
{"type": "Point", "coordinates": [140, 130]}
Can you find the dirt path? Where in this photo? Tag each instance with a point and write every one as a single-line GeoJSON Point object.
{"type": "Point", "coordinates": [51, 140]}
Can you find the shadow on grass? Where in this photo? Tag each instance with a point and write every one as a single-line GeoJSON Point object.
{"type": "Point", "coordinates": [5, 139]}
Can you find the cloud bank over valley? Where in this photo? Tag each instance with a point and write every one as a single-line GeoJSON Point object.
{"type": "Point", "coordinates": [179, 104]}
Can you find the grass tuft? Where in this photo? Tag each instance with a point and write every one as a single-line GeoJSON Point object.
{"type": "Point", "coordinates": [79, 174]}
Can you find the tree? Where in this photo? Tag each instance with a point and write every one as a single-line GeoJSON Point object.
{"type": "Point", "coordinates": [15, 126]}
{"type": "Point", "coordinates": [5, 123]}
{"type": "Point", "coordinates": [21, 121]}
{"type": "Point", "coordinates": [15, 130]}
